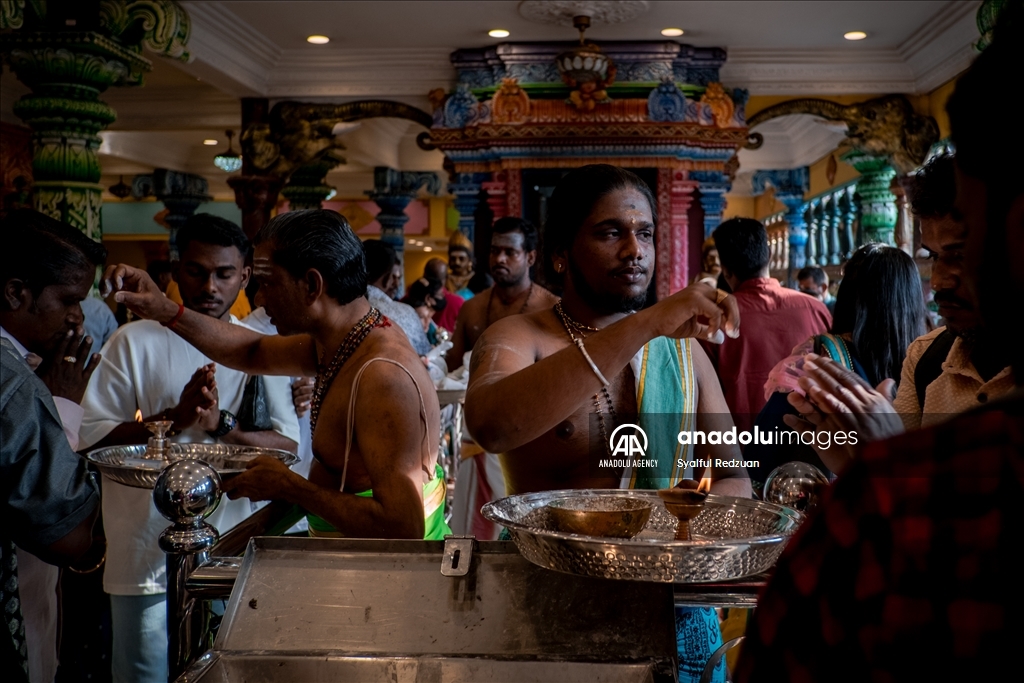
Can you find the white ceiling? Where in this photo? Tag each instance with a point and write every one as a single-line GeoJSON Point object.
{"type": "Point", "coordinates": [400, 50]}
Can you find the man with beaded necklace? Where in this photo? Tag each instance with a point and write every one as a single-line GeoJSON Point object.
{"type": "Point", "coordinates": [536, 380]}
{"type": "Point", "coordinates": [375, 416]}
{"type": "Point", "coordinates": [513, 253]}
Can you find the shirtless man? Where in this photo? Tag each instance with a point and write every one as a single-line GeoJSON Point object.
{"type": "Point", "coordinates": [536, 380]}
{"type": "Point", "coordinates": [513, 253]}
{"type": "Point", "coordinates": [375, 479]}
{"type": "Point", "coordinates": [532, 391]}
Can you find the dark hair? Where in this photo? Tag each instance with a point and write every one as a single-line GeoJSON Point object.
{"type": "Point", "coordinates": [509, 224]}
{"type": "Point", "coordinates": [982, 149]}
{"type": "Point", "coordinates": [380, 259]}
{"type": "Point", "coordinates": [43, 251]}
{"type": "Point", "coordinates": [420, 290]}
{"type": "Point", "coordinates": [881, 304]}
{"type": "Point", "coordinates": [742, 247]}
{"type": "Point", "coordinates": [813, 272]}
{"type": "Point", "coordinates": [319, 239]}
{"type": "Point", "coordinates": [479, 282]}
{"type": "Point", "coordinates": [206, 228]}
{"type": "Point", "coordinates": [982, 152]}
{"type": "Point", "coordinates": [574, 198]}
{"type": "Point", "coordinates": [932, 189]}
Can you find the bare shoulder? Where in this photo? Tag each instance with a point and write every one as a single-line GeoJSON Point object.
{"type": "Point", "coordinates": [513, 341]}
{"type": "Point", "coordinates": [542, 300]}
{"type": "Point", "coordinates": [388, 345]}
{"type": "Point", "coordinates": [476, 303]}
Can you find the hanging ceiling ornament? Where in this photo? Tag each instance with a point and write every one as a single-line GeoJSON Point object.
{"type": "Point", "coordinates": [586, 70]}
{"type": "Point", "coordinates": [121, 190]}
{"type": "Point", "coordinates": [229, 160]}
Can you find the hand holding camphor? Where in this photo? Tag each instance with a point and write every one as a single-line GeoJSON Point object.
{"type": "Point", "coordinates": [699, 311]}
{"type": "Point", "coordinates": [134, 288]}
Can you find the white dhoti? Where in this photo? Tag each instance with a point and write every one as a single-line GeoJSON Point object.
{"type": "Point", "coordinates": [479, 482]}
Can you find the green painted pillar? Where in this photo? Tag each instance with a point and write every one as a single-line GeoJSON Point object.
{"type": "Point", "coordinates": [67, 69]}
{"type": "Point", "coordinates": [877, 203]}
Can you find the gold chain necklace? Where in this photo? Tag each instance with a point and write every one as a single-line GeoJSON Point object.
{"type": "Point", "coordinates": [325, 376]}
{"type": "Point", "coordinates": [573, 327]}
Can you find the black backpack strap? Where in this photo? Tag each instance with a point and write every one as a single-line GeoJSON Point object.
{"type": "Point", "coordinates": [929, 366]}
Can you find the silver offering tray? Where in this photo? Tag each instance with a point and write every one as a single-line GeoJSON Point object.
{"type": "Point", "coordinates": [129, 465]}
{"type": "Point", "coordinates": [732, 538]}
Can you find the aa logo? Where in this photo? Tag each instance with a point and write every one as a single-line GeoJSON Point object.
{"type": "Point", "coordinates": [626, 443]}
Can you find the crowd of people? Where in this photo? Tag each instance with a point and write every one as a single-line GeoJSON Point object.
{"type": "Point", "coordinates": [903, 573]}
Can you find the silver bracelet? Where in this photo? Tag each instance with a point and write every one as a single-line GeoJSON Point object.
{"type": "Point", "coordinates": [593, 365]}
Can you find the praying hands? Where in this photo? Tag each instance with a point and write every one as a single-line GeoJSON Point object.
{"type": "Point", "coordinates": [839, 400]}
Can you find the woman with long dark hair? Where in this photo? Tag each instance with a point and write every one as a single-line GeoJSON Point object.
{"type": "Point", "coordinates": [879, 311]}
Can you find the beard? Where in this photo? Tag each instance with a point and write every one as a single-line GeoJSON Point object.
{"type": "Point", "coordinates": [604, 303]}
{"type": "Point", "coordinates": [509, 278]}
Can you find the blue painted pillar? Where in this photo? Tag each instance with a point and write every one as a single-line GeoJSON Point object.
{"type": "Point", "coordinates": [790, 186]}
{"type": "Point", "coordinates": [392, 192]}
{"type": "Point", "coordinates": [466, 189]}
{"type": "Point", "coordinates": [713, 186]}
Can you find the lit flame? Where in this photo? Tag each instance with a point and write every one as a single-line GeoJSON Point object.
{"type": "Point", "coordinates": [705, 484]}
{"type": "Point", "coordinates": [138, 415]}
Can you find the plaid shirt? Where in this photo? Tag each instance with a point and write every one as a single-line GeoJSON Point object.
{"type": "Point", "coordinates": [907, 571]}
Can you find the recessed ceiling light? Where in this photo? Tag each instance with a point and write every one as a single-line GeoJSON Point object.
{"type": "Point", "coordinates": [428, 249]}
{"type": "Point", "coordinates": [209, 142]}
{"type": "Point", "coordinates": [498, 33]}
{"type": "Point", "coordinates": [672, 32]}
{"type": "Point", "coordinates": [855, 35]}
{"type": "Point", "coordinates": [318, 40]}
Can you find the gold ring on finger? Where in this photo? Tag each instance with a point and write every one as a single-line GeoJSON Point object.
{"type": "Point", "coordinates": [70, 359]}
{"type": "Point", "coordinates": [720, 295]}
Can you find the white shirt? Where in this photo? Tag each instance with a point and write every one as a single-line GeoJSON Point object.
{"type": "Point", "coordinates": [144, 367]}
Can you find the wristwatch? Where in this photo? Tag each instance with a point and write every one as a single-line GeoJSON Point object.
{"type": "Point", "coordinates": [227, 422]}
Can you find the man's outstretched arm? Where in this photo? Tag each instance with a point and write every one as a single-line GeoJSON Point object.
{"type": "Point", "coordinates": [513, 399]}
{"type": "Point", "coordinates": [231, 345]}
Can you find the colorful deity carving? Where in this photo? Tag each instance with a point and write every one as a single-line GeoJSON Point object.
{"type": "Point", "coordinates": [511, 103]}
{"type": "Point", "coordinates": [720, 103]}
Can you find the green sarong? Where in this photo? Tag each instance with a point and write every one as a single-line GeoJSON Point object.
{"type": "Point", "coordinates": [434, 529]}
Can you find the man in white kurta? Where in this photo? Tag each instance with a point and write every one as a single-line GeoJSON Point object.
{"type": "Point", "coordinates": [145, 367]}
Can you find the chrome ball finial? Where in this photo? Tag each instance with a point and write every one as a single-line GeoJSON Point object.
{"type": "Point", "coordinates": [796, 485]}
{"type": "Point", "coordinates": [187, 492]}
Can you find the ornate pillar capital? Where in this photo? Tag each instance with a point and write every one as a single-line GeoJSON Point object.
{"type": "Point", "coordinates": [256, 196]}
{"type": "Point", "coordinates": [181, 194]}
{"type": "Point", "coordinates": [66, 71]}
{"type": "Point", "coordinates": [786, 182]}
{"type": "Point", "coordinates": [713, 186]}
{"type": "Point", "coordinates": [392, 191]}
{"type": "Point", "coordinates": [789, 185]}
{"type": "Point", "coordinates": [307, 187]}
{"type": "Point", "coordinates": [877, 202]}
{"type": "Point", "coordinates": [466, 188]}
